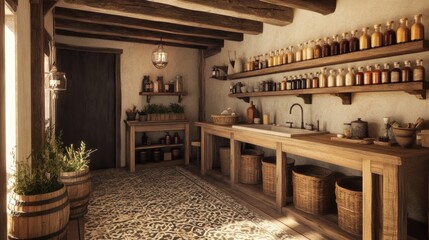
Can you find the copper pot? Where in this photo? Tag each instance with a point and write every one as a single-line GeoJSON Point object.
{"type": "Point", "coordinates": [359, 129]}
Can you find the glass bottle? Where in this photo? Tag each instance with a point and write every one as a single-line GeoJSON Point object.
{"type": "Point", "coordinates": [309, 81]}
{"type": "Point", "coordinates": [419, 71]}
{"type": "Point", "coordinates": [395, 74]}
{"type": "Point", "coordinates": [389, 34]}
{"type": "Point", "coordinates": [350, 77]}
{"type": "Point", "coordinates": [385, 74]}
{"type": "Point", "coordinates": [289, 83]}
{"type": "Point", "coordinates": [270, 59]}
{"type": "Point", "coordinates": [276, 58]}
{"type": "Point", "coordinates": [335, 46]}
{"type": "Point", "coordinates": [265, 62]}
{"type": "Point", "coordinates": [323, 79]}
{"type": "Point", "coordinates": [354, 42]}
{"type": "Point", "coordinates": [364, 40]}
{"type": "Point", "coordinates": [377, 37]}
{"type": "Point", "coordinates": [345, 43]}
{"type": "Point", "coordinates": [315, 80]}
{"type": "Point", "coordinates": [367, 76]}
{"type": "Point", "coordinates": [281, 57]}
{"type": "Point", "coordinates": [417, 29]}
{"type": "Point", "coordinates": [331, 78]}
{"type": "Point", "coordinates": [310, 50]}
{"type": "Point", "coordinates": [359, 76]}
{"type": "Point", "coordinates": [340, 81]}
{"type": "Point", "coordinates": [403, 32]}
{"type": "Point", "coordinates": [283, 84]}
{"type": "Point", "coordinates": [326, 48]}
{"type": "Point", "coordinates": [251, 60]}
{"type": "Point", "coordinates": [407, 73]}
{"type": "Point", "coordinates": [284, 56]}
{"type": "Point", "coordinates": [298, 53]}
{"type": "Point", "coordinates": [376, 74]}
{"type": "Point", "coordinates": [298, 82]}
{"type": "Point", "coordinates": [318, 49]}
{"type": "Point", "coordinates": [304, 52]}
{"type": "Point", "coordinates": [256, 63]}
{"type": "Point", "coordinates": [290, 55]}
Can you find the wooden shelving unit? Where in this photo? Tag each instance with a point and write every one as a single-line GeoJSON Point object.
{"type": "Point", "coordinates": [158, 146]}
{"type": "Point", "coordinates": [151, 94]}
{"type": "Point", "coordinates": [345, 93]}
{"type": "Point", "coordinates": [381, 52]}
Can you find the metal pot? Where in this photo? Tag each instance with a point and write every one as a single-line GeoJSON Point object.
{"type": "Point", "coordinates": [359, 129]}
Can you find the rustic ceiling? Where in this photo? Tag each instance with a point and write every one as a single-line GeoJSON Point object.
{"type": "Point", "coordinates": [197, 24]}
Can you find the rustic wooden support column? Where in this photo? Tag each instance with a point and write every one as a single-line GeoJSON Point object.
{"type": "Point", "coordinates": [367, 225]}
{"type": "Point", "coordinates": [235, 156]}
{"type": "Point", "coordinates": [3, 216]}
{"type": "Point", "coordinates": [37, 74]}
{"type": "Point", "coordinates": [281, 178]}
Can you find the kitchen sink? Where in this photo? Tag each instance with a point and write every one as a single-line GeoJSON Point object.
{"type": "Point", "coordinates": [277, 130]}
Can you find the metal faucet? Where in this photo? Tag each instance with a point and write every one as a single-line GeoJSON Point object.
{"type": "Point", "coordinates": [302, 113]}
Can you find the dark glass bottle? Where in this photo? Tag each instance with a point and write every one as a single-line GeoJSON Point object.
{"type": "Point", "coordinates": [345, 44]}
{"type": "Point", "coordinates": [359, 76]}
{"type": "Point", "coordinates": [407, 73]}
{"type": "Point", "coordinates": [419, 71]}
{"type": "Point", "coordinates": [389, 34]}
{"type": "Point", "coordinates": [335, 46]}
{"type": "Point", "coordinates": [354, 42]}
{"type": "Point", "coordinates": [367, 76]}
{"type": "Point", "coordinates": [385, 74]}
{"type": "Point", "coordinates": [326, 48]}
{"type": "Point", "coordinates": [376, 74]}
{"type": "Point", "coordinates": [318, 49]}
{"type": "Point", "coordinates": [395, 74]}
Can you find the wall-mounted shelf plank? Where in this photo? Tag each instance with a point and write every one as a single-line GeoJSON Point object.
{"type": "Point", "coordinates": [415, 88]}
{"type": "Point", "coordinates": [151, 94]}
{"type": "Point", "coordinates": [141, 147]}
{"type": "Point", "coordinates": [381, 52]}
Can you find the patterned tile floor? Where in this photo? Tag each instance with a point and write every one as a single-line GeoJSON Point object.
{"type": "Point", "coordinates": [169, 203]}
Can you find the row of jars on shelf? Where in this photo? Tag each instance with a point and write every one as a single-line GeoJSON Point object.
{"type": "Point", "coordinates": [317, 49]}
{"type": "Point", "coordinates": [340, 78]}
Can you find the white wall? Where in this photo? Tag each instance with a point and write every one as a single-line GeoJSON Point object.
{"type": "Point", "coordinates": [371, 107]}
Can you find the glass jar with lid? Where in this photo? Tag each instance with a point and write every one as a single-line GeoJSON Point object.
{"type": "Point", "coordinates": [347, 130]}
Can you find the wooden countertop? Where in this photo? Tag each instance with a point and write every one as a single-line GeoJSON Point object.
{"type": "Point", "coordinates": [148, 123]}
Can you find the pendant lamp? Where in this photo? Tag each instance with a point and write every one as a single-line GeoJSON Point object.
{"type": "Point", "coordinates": [160, 57]}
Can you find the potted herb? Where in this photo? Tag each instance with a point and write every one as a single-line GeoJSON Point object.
{"type": "Point", "coordinates": [178, 110]}
{"type": "Point", "coordinates": [39, 187]}
{"type": "Point", "coordinates": [152, 110]}
{"type": "Point", "coordinates": [143, 114]}
{"type": "Point", "coordinates": [131, 113]}
{"type": "Point", "coordinates": [163, 112]}
{"type": "Point", "coordinates": [76, 178]}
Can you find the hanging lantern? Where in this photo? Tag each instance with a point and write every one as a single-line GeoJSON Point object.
{"type": "Point", "coordinates": [160, 57]}
{"type": "Point", "coordinates": [56, 80]}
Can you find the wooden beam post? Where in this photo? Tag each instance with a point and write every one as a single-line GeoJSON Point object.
{"type": "Point", "coordinates": [3, 180]}
{"type": "Point", "coordinates": [37, 74]}
{"type": "Point", "coordinates": [320, 6]}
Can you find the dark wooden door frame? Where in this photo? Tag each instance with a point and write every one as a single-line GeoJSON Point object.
{"type": "Point", "coordinates": [118, 102]}
{"type": "Point", "coordinates": [3, 181]}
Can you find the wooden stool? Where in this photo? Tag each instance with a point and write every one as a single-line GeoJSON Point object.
{"type": "Point", "coordinates": [197, 144]}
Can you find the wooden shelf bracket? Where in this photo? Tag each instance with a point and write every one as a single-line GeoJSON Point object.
{"type": "Point", "coordinates": [179, 98]}
{"type": "Point", "coordinates": [345, 97]}
{"type": "Point", "coordinates": [148, 98]}
{"type": "Point", "coordinates": [245, 99]}
{"type": "Point", "coordinates": [421, 93]}
{"type": "Point", "coordinates": [306, 97]}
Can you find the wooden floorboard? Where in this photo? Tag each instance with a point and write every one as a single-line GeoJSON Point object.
{"type": "Point", "coordinates": [76, 229]}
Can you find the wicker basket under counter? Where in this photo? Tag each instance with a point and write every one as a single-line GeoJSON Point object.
{"type": "Point", "coordinates": [348, 192]}
{"type": "Point", "coordinates": [269, 175]}
{"type": "Point", "coordinates": [313, 189]}
{"type": "Point", "coordinates": [250, 166]}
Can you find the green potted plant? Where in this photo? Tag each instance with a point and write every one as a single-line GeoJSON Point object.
{"type": "Point", "coordinates": [131, 113]}
{"type": "Point", "coordinates": [178, 110]}
{"type": "Point", "coordinates": [163, 112]}
{"type": "Point", "coordinates": [143, 114]}
{"type": "Point", "coordinates": [152, 110]}
{"type": "Point", "coordinates": [37, 186]}
{"type": "Point", "coordinates": [75, 176]}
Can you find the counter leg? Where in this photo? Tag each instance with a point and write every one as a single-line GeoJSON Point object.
{"type": "Point", "coordinates": [206, 152]}
{"type": "Point", "coordinates": [187, 147]}
{"type": "Point", "coordinates": [367, 221]}
{"type": "Point", "coordinates": [281, 179]}
{"type": "Point", "coordinates": [235, 156]}
{"type": "Point", "coordinates": [394, 203]}
{"type": "Point", "coordinates": [132, 149]}
{"type": "Point", "coordinates": [127, 147]}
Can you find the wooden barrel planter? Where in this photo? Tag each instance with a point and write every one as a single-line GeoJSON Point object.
{"type": "Point", "coordinates": [79, 188]}
{"type": "Point", "coordinates": [42, 216]}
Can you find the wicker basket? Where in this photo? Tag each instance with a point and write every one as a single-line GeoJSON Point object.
{"type": "Point", "coordinates": [225, 162]}
{"type": "Point", "coordinates": [250, 168]}
{"type": "Point", "coordinates": [269, 175]}
{"type": "Point", "coordinates": [313, 189]}
{"type": "Point", "coordinates": [348, 191]}
{"type": "Point", "coordinates": [224, 119]}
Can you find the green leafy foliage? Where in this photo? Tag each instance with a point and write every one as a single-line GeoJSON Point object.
{"type": "Point", "coordinates": [176, 108]}
{"type": "Point", "coordinates": [76, 159]}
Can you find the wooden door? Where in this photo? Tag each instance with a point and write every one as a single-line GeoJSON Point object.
{"type": "Point", "coordinates": [87, 110]}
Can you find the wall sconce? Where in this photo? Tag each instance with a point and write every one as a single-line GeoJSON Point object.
{"type": "Point", "coordinates": [160, 57]}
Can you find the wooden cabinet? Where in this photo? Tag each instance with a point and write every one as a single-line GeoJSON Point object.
{"type": "Point", "coordinates": [133, 127]}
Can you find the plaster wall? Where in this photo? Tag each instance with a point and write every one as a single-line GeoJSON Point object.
{"type": "Point", "coordinates": [136, 62]}
{"type": "Point", "coordinates": [371, 107]}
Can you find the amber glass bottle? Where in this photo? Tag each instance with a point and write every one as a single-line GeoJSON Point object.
{"type": "Point", "coordinates": [407, 73]}
{"type": "Point", "coordinates": [291, 55]}
{"type": "Point", "coordinates": [284, 55]}
{"type": "Point", "coordinates": [304, 51]}
{"type": "Point", "coordinates": [417, 29]}
{"type": "Point", "coordinates": [367, 76]}
{"type": "Point", "coordinates": [389, 34]}
{"type": "Point", "coordinates": [344, 43]}
{"type": "Point", "coordinates": [403, 32]}
{"type": "Point", "coordinates": [315, 80]}
{"type": "Point", "coordinates": [335, 46]}
{"type": "Point", "coordinates": [385, 74]}
{"type": "Point", "coordinates": [309, 81]}
{"type": "Point", "coordinates": [251, 112]}
{"type": "Point", "coordinates": [419, 71]}
{"type": "Point", "coordinates": [395, 74]}
{"type": "Point", "coordinates": [377, 37]}
{"type": "Point", "coordinates": [298, 53]}
{"type": "Point", "coordinates": [326, 48]}
{"type": "Point", "coordinates": [376, 74]}
{"type": "Point", "coordinates": [359, 76]}
{"type": "Point", "coordinates": [318, 49]}
{"type": "Point", "coordinates": [364, 40]}
{"type": "Point", "coordinates": [310, 50]}
{"type": "Point", "coordinates": [354, 42]}
{"type": "Point", "coordinates": [271, 59]}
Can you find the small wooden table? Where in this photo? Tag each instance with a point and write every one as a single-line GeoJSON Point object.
{"type": "Point", "coordinates": [132, 127]}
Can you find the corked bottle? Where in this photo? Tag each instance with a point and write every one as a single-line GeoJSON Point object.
{"type": "Point", "coordinates": [377, 37]}
{"type": "Point", "coordinates": [251, 113]}
{"type": "Point", "coordinates": [407, 73]}
{"type": "Point", "coordinates": [359, 76]}
{"type": "Point", "coordinates": [290, 55]}
{"type": "Point", "coordinates": [376, 74]}
{"type": "Point", "coordinates": [385, 74]}
{"type": "Point", "coordinates": [419, 71]}
{"type": "Point", "coordinates": [176, 138]}
{"type": "Point", "coordinates": [350, 77]}
{"type": "Point", "coordinates": [298, 54]}
{"type": "Point", "coordinates": [340, 78]}
{"type": "Point", "coordinates": [310, 50]}
{"type": "Point", "coordinates": [284, 55]}
{"type": "Point", "coordinates": [354, 42]}
{"type": "Point", "coordinates": [344, 44]}
{"type": "Point", "coordinates": [364, 40]}
{"type": "Point", "coordinates": [417, 29]}
{"type": "Point", "coordinates": [167, 138]}
{"type": "Point", "coordinates": [403, 32]}
{"type": "Point", "coordinates": [309, 81]}
{"type": "Point", "coordinates": [323, 79]}
{"type": "Point", "coordinates": [335, 46]}
{"type": "Point", "coordinates": [318, 49]}
{"type": "Point", "coordinates": [331, 78]}
{"type": "Point", "coordinates": [367, 76]}
{"type": "Point", "coordinates": [326, 48]}
{"type": "Point", "coordinates": [389, 34]}
{"type": "Point", "coordinates": [304, 51]}
{"type": "Point", "coordinates": [395, 74]}
{"type": "Point", "coordinates": [315, 80]}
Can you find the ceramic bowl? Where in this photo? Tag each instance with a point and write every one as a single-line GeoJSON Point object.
{"type": "Point", "coordinates": [405, 137]}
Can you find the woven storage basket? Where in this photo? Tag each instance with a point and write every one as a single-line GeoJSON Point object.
{"type": "Point", "coordinates": [313, 189]}
{"type": "Point", "coordinates": [250, 168]}
{"type": "Point", "coordinates": [224, 119]}
{"type": "Point", "coordinates": [348, 191]}
{"type": "Point", "coordinates": [225, 162]}
{"type": "Point", "coordinates": [269, 175]}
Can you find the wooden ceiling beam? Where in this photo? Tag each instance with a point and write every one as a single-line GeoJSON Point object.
{"type": "Point", "coordinates": [252, 10]}
{"type": "Point", "coordinates": [320, 6]}
{"type": "Point", "coordinates": [166, 13]}
{"type": "Point", "coordinates": [123, 39]}
{"type": "Point", "coordinates": [12, 4]}
{"type": "Point", "coordinates": [135, 33]}
{"type": "Point", "coordinates": [114, 20]}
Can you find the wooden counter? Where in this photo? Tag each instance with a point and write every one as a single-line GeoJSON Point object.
{"type": "Point", "coordinates": [394, 164]}
{"type": "Point", "coordinates": [137, 126]}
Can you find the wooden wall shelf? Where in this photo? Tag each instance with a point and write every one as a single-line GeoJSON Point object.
{"type": "Point", "coordinates": [414, 88]}
{"type": "Point", "coordinates": [150, 94]}
{"type": "Point", "coordinates": [381, 52]}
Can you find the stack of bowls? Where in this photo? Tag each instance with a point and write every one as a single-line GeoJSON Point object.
{"type": "Point", "coordinates": [405, 137]}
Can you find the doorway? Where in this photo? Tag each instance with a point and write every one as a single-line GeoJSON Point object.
{"type": "Point", "coordinates": [90, 108]}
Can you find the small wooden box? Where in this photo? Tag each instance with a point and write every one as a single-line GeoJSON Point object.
{"type": "Point", "coordinates": [167, 156]}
